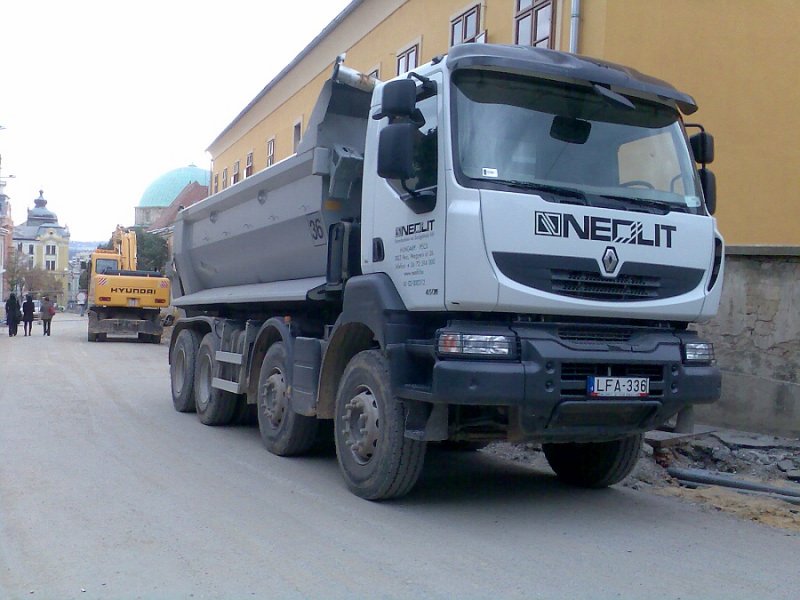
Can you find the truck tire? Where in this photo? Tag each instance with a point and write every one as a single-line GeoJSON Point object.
{"type": "Point", "coordinates": [594, 465]}
{"type": "Point", "coordinates": [92, 337]}
{"type": "Point", "coordinates": [376, 459]}
{"type": "Point", "coordinates": [284, 432]}
{"type": "Point", "coordinates": [213, 406]}
{"type": "Point", "coordinates": [181, 369]}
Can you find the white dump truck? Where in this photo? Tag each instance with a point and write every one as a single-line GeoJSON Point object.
{"type": "Point", "coordinates": [507, 243]}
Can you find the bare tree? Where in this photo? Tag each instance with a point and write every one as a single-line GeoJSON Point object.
{"type": "Point", "coordinates": [15, 270]}
{"type": "Point", "coordinates": [24, 278]}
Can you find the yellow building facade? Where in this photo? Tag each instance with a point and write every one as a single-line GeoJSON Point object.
{"type": "Point", "coordinates": [738, 59]}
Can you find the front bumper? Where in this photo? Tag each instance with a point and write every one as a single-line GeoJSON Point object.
{"type": "Point", "coordinates": [545, 388]}
{"type": "Point", "coordinates": [124, 326]}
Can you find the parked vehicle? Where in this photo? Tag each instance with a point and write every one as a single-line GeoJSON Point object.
{"type": "Point", "coordinates": [122, 299]}
{"type": "Point", "coordinates": [508, 243]}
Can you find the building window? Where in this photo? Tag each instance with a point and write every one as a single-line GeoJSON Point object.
{"type": "Point", "coordinates": [50, 250]}
{"type": "Point", "coordinates": [248, 169]}
{"type": "Point", "coordinates": [375, 73]}
{"type": "Point", "coordinates": [50, 265]}
{"type": "Point", "coordinates": [235, 176]}
{"type": "Point", "coordinates": [534, 23]}
{"type": "Point", "coordinates": [216, 182]}
{"type": "Point", "coordinates": [464, 28]}
{"type": "Point", "coordinates": [407, 59]}
{"type": "Point", "coordinates": [270, 152]}
{"type": "Point", "coordinates": [30, 249]}
{"type": "Point", "coordinates": [224, 178]}
{"type": "Point", "coordinates": [297, 135]}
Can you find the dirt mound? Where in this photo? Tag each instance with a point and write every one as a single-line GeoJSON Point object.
{"type": "Point", "coordinates": [751, 457]}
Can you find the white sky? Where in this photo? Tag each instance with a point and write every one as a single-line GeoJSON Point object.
{"type": "Point", "coordinates": [99, 98]}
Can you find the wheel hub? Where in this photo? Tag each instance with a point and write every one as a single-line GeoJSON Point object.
{"type": "Point", "coordinates": [362, 426]}
{"type": "Point", "coordinates": [274, 402]}
{"type": "Point", "coordinates": [179, 366]}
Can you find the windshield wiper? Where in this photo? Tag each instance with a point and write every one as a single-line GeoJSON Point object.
{"type": "Point", "coordinates": [541, 187]}
{"type": "Point", "coordinates": [634, 203]}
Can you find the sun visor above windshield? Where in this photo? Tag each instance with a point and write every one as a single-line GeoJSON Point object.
{"type": "Point", "coordinates": [561, 65]}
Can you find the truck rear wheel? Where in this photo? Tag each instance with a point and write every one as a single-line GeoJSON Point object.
{"type": "Point", "coordinates": [183, 360]}
{"type": "Point", "coordinates": [375, 457]}
{"type": "Point", "coordinates": [596, 464]}
{"type": "Point", "coordinates": [214, 406]}
{"type": "Point", "coordinates": [284, 432]}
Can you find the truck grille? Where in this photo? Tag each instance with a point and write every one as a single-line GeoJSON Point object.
{"type": "Point", "coordinates": [581, 277]}
{"type": "Point", "coordinates": [580, 334]}
{"type": "Point", "coordinates": [592, 286]}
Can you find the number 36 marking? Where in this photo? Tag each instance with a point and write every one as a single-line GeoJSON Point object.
{"type": "Point", "coordinates": [316, 229]}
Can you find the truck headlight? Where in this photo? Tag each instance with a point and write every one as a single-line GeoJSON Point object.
{"type": "Point", "coordinates": [699, 352]}
{"type": "Point", "coordinates": [468, 344]}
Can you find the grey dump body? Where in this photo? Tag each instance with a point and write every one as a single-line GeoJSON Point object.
{"type": "Point", "coordinates": [273, 227]}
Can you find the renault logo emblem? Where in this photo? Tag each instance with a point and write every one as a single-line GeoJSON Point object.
{"type": "Point", "coordinates": [610, 260]}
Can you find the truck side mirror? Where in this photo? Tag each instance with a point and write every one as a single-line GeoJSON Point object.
{"type": "Point", "coordinates": [399, 99]}
{"type": "Point", "coordinates": [396, 151]}
{"type": "Point", "coordinates": [702, 147]}
{"type": "Point", "coordinates": [708, 181]}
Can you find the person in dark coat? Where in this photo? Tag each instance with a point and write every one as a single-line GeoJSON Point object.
{"type": "Point", "coordinates": [48, 310]}
{"type": "Point", "coordinates": [27, 314]}
{"type": "Point", "coordinates": [12, 314]}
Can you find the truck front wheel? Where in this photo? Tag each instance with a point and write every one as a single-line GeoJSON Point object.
{"type": "Point", "coordinates": [284, 432]}
{"type": "Point", "coordinates": [376, 459]}
{"type": "Point", "coordinates": [183, 360]}
{"type": "Point", "coordinates": [214, 406]}
{"type": "Point", "coordinates": [596, 464]}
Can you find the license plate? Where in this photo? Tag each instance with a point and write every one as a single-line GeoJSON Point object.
{"type": "Point", "coordinates": [133, 302]}
{"type": "Point", "coordinates": [618, 386]}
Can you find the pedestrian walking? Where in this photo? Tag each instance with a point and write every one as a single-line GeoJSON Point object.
{"type": "Point", "coordinates": [13, 314]}
{"type": "Point", "coordinates": [27, 314]}
{"type": "Point", "coordinates": [48, 312]}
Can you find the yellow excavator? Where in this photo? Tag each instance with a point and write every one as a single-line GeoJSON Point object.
{"type": "Point", "coordinates": [122, 299]}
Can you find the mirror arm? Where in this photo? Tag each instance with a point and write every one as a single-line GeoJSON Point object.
{"type": "Point", "coordinates": [412, 193]}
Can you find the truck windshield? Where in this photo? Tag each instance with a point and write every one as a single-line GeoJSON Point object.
{"type": "Point", "coordinates": [571, 143]}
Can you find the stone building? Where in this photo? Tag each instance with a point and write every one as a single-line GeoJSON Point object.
{"type": "Point", "coordinates": [162, 192]}
{"type": "Point", "coordinates": [6, 244]}
{"type": "Point", "coordinates": [44, 244]}
{"type": "Point", "coordinates": [191, 194]}
{"type": "Point", "coordinates": [733, 57]}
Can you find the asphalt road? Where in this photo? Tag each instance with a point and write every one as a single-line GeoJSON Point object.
{"type": "Point", "coordinates": [107, 492]}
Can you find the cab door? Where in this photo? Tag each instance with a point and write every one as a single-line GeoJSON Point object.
{"type": "Point", "coordinates": [404, 219]}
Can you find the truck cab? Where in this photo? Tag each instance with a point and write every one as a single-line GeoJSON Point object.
{"type": "Point", "coordinates": [559, 185]}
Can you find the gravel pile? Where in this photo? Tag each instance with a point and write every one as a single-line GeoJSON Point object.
{"type": "Point", "coordinates": [760, 458]}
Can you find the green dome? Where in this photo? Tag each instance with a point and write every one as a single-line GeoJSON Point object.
{"type": "Point", "coordinates": [167, 187]}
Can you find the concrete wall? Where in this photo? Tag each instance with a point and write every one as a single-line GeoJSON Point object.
{"type": "Point", "coordinates": [757, 341]}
